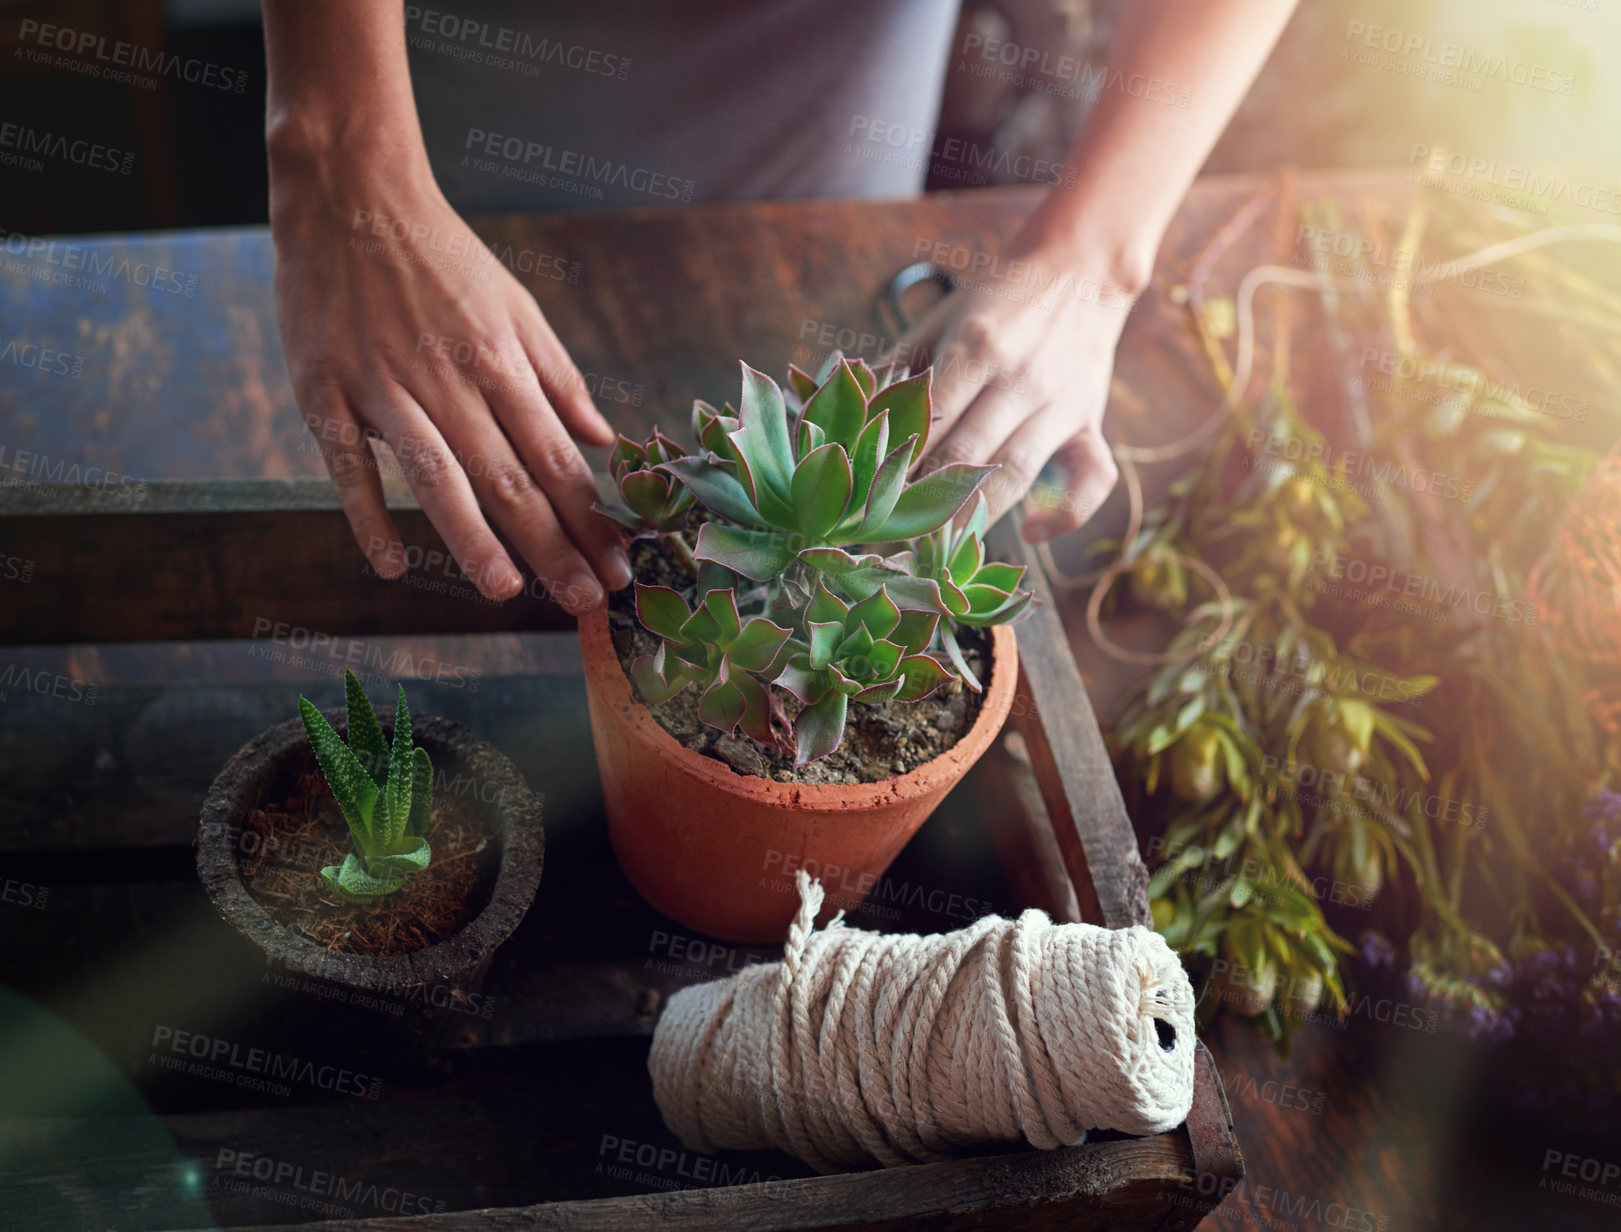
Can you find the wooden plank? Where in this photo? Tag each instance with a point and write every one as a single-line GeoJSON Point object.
{"type": "Point", "coordinates": [175, 560]}
{"type": "Point", "coordinates": [1099, 1185]}
{"type": "Point", "coordinates": [1071, 763]}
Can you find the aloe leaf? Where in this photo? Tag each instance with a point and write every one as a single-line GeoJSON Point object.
{"type": "Point", "coordinates": [365, 735]}
{"type": "Point", "coordinates": [887, 486]}
{"type": "Point", "coordinates": [755, 648]}
{"type": "Point", "coordinates": [909, 407]}
{"type": "Point", "coordinates": [821, 490]}
{"type": "Point", "coordinates": [819, 728]}
{"type": "Point", "coordinates": [400, 865]}
{"type": "Point", "coordinates": [718, 491]}
{"type": "Point", "coordinates": [954, 652]}
{"type": "Point", "coordinates": [397, 800]}
{"type": "Point", "coordinates": [839, 407]}
{"type": "Point", "coordinates": [352, 882]}
{"type": "Point", "coordinates": [756, 554]}
{"type": "Point", "coordinates": [926, 505]}
{"type": "Point", "coordinates": [352, 786]}
{"type": "Point", "coordinates": [924, 674]}
{"type": "Point", "coordinates": [421, 794]}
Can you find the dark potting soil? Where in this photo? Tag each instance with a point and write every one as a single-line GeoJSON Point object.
{"type": "Point", "coordinates": [299, 830]}
{"type": "Point", "coordinates": [880, 742]}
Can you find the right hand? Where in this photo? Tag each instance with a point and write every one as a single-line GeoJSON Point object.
{"type": "Point", "coordinates": [430, 344]}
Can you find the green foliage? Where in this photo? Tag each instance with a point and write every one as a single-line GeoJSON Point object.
{"type": "Point", "coordinates": [794, 486]}
{"type": "Point", "coordinates": [385, 793]}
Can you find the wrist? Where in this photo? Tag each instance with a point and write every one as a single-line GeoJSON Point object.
{"type": "Point", "coordinates": [314, 157]}
{"type": "Point", "coordinates": [1117, 253]}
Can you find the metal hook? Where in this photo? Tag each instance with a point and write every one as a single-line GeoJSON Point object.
{"type": "Point", "coordinates": [911, 276]}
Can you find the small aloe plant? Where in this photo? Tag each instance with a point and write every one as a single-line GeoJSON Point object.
{"type": "Point", "coordinates": [385, 792]}
{"type": "Point", "coordinates": [798, 484]}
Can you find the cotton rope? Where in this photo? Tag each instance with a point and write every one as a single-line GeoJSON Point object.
{"type": "Point", "coordinates": [860, 1047]}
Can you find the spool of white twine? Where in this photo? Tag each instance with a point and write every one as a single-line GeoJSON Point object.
{"type": "Point", "coordinates": [860, 1047]}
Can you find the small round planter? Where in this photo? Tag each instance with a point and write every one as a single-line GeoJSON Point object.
{"type": "Point", "coordinates": [458, 961]}
{"type": "Point", "coordinates": [717, 850]}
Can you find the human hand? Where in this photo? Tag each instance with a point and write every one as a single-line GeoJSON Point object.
{"type": "Point", "coordinates": [399, 324]}
{"type": "Point", "coordinates": [1022, 357]}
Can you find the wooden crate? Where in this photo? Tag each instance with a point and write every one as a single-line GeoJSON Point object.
{"type": "Point", "coordinates": [520, 1108]}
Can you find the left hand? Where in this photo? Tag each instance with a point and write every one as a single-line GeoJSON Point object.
{"type": "Point", "coordinates": [1022, 359]}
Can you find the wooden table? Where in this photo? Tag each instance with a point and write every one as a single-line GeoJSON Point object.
{"type": "Point", "coordinates": [189, 383]}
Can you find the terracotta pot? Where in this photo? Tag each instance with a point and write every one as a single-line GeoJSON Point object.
{"type": "Point", "coordinates": [267, 763]}
{"type": "Point", "coordinates": [717, 850]}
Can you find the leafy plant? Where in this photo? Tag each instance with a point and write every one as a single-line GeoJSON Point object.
{"type": "Point", "coordinates": [791, 614]}
{"type": "Point", "coordinates": [385, 792]}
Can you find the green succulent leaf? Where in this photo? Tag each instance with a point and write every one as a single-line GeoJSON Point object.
{"type": "Point", "coordinates": [825, 637]}
{"type": "Point", "coordinates": [878, 613]}
{"type": "Point", "coordinates": [923, 676]}
{"type": "Point", "coordinates": [821, 490]}
{"type": "Point", "coordinates": [755, 554]}
{"type": "Point", "coordinates": [718, 490]}
{"type": "Point", "coordinates": [351, 882]}
{"type": "Point", "coordinates": [954, 653]}
{"type": "Point", "coordinates": [909, 407]}
{"type": "Point", "coordinates": [662, 611]}
{"type": "Point", "coordinates": [878, 694]}
{"type": "Point", "coordinates": [809, 684]}
{"type": "Point", "coordinates": [871, 448]}
{"type": "Point", "coordinates": [915, 629]}
{"type": "Point", "coordinates": [365, 734]}
{"type": "Point", "coordinates": [887, 486]}
{"type": "Point", "coordinates": [800, 383]}
{"type": "Point", "coordinates": [656, 678]}
{"type": "Point", "coordinates": [403, 864]}
{"type": "Point", "coordinates": [826, 606]}
{"type": "Point", "coordinates": [721, 605]}
{"type": "Point", "coordinates": [819, 728]}
{"type": "Point", "coordinates": [757, 646]}
{"type": "Point", "coordinates": [762, 439]}
{"type": "Point", "coordinates": [839, 407]}
{"type": "Point", "coordinates": [352, 785]}
{"type": "Point", "coordinates": [926, 505]}
{"type": "Point", "coordinates": [397, 797]}
{"type": "Point", "coordinates": [864, 377]}
{"type": "Point", "coordinates": [421, 794]}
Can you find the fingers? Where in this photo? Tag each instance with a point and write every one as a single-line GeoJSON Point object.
{"type": "Point", "coordinates": [561, 379]}
{"type": "Point", "coordinates": [1092, 473]}
{"type": "Point", "coordinates": [994, 416]}
{"type": "Point", "coordinates": [353, 467]}
{"type": "Point", "coordinates": [443, 490]}
{"type": "Point", "coordinates": [967, 360]}
{"type": "Point", "coordinates": [563, 519]}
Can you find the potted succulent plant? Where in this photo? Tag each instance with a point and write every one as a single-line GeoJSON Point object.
{"type": "Point", "coordinates": [815, 652]}
{"type": "Point", "coordinates": [342, 861]}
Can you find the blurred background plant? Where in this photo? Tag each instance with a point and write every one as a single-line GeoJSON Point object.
{"type": "Point", "coordinates": [1376, 757]}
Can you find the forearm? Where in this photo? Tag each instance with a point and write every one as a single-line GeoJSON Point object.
{"type": "Point", "coordinates": [340, 101]}
{"type": "Point", "coordinates": [1135, 157]}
